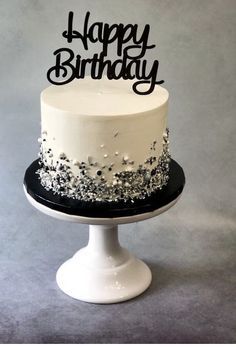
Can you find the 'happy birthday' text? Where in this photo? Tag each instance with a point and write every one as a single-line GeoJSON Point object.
{"type": "Point", "coordinates": [129, 64]}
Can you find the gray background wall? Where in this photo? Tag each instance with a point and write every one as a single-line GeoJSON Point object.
{"type": "Point", "coordinates": [190, 248]}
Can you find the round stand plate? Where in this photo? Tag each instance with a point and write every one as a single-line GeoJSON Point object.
{"type": "Point", "coordinates": [103, 271]}
{"type": "Point", "coordinates": [99, 210]}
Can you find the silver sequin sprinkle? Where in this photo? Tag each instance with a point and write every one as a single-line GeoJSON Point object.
{"type": "Point", "coordinates": [127, 185]}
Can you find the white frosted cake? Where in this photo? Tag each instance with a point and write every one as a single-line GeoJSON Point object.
{"type": "Point", "coordinates": [102, 142]}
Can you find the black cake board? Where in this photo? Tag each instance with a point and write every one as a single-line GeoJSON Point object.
{"type": "Point", "coordinates": [70, 206]}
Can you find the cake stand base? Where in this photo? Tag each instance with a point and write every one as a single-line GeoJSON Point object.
{"type": "Point", "coordinates": [103, 272]}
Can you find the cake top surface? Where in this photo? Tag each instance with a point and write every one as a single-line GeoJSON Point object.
{"type": "Point", "coordinates": [103, 97]}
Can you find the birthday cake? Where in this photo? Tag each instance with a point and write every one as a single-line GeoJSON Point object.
{"type": "Point", "coordinates": [102, 142]}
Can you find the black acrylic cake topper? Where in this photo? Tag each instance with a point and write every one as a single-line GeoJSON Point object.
{"type": "Point", "coordinates": [129, 64]}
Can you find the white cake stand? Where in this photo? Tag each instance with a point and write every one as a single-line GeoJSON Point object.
{"type": "Point", "coordinates": [102, 272]}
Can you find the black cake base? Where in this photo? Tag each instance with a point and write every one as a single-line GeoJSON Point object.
{"type": "Point", "coordinates": [105, 209]}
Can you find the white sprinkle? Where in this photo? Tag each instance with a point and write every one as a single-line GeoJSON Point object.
{"type": "Point", "coordinates": [75, 162]}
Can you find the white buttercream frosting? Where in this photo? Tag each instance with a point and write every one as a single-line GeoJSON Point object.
{"type": "Point", "coordinates": [102, 97]}
{"type": "Point", "coordinates": [103, 123]}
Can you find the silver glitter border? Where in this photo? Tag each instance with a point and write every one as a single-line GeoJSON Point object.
{"type": "Point", "coordinates": [127, 185]}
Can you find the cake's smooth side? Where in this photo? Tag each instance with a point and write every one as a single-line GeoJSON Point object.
{"type": "Point", "coordinates": [94, 148]}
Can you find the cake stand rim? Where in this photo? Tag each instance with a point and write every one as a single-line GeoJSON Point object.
{"type": "Point", "coordinates": [98, 220]}
{"type": "Point", "coordinates": [55, 212]}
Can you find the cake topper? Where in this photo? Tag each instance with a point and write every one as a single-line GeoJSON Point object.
{"type": "Point", "coordinates": [131, 47]}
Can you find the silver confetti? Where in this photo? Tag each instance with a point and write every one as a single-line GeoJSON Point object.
{"type": "Point", "coordinates": [127, 185]}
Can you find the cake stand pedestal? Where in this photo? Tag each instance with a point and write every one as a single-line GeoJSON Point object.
{"type": "Point", "coordinates": [103, 271]}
